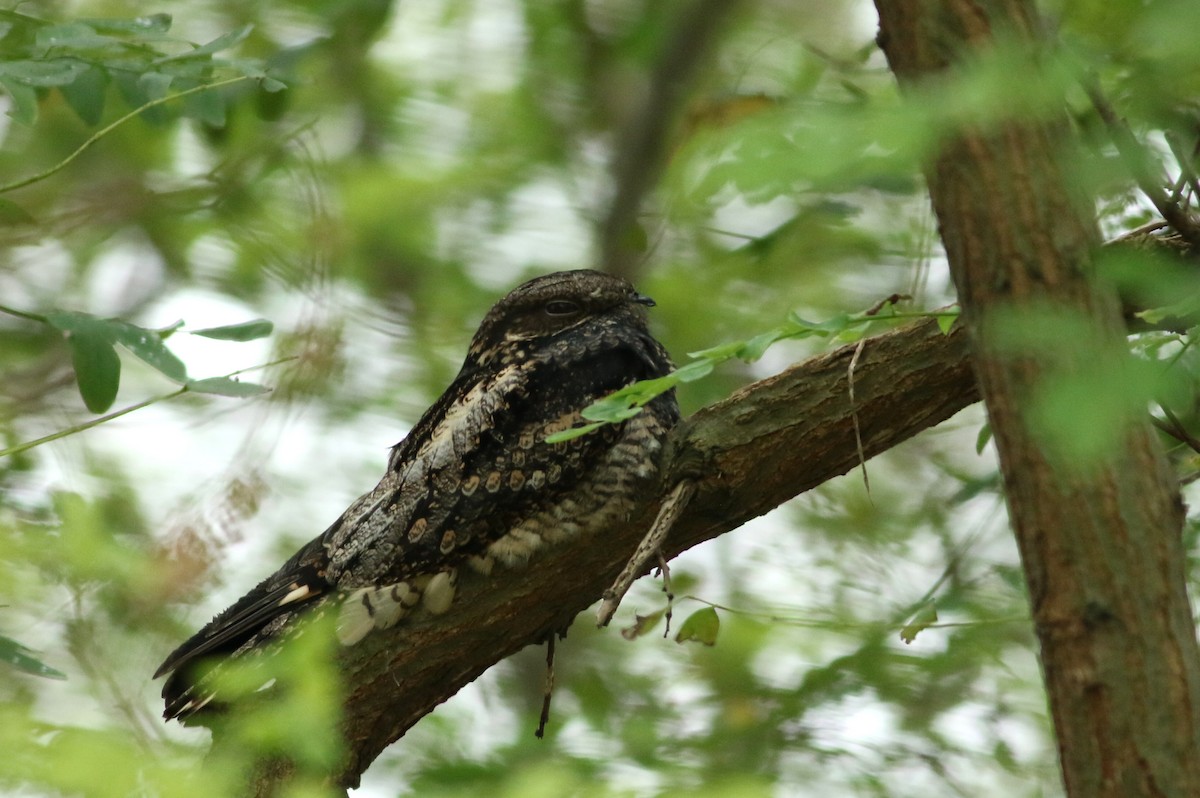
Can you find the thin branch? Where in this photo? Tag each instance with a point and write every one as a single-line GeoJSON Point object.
{"type": "Point", "coordinates": [854, 416]}
{"type": "Point", "coordinates": [665, 570]}
{"type": "Point", "coordinates": [95, 422]}
{"type": "Point", "coordinates": [1173, 427]}
{"type": "Point", "coordinates": [852, 627]}
{"type": "Point", "coordinates": [649, 549]}
{"type": "Point", "coordinates": [109, 128]}
{"type": "Point", "coordinates": [1187, 168]}
{"type": "Point", "coordinates": [547, 690]}
{"type": "Point", "coordinates": [1134, 155]}
{"type": "Point", "coordinates": [23, 314]}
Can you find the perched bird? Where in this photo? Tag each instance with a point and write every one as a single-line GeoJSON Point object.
{"type": "Point", "coordinates": [474, 485]}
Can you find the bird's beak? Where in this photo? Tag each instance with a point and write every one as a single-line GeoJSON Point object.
{"type": "Point", "coordinates": [642, 299]}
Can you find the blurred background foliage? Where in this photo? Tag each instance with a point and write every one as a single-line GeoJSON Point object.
{"type": "Point", "coordinates": [377, 174]}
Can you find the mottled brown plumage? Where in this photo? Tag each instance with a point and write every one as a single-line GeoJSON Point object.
{"type": "Point", "coordinates": [474, 485]}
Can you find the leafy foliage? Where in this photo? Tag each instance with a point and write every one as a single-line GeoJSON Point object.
{"type": "Point", "coordinates": [701, 626]}
{"type": "Point", "coordinates": [93, 343]}
{"type": "Point", "coordinates": [843, 328]}
{"type": "Point", "coordinates": [81, 58]}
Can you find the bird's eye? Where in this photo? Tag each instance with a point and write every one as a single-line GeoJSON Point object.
{"type": "Point", "coordinates": [561, 307]}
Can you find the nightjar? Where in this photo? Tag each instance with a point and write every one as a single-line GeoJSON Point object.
{"type": "Point", "coordinates": [474, 488]}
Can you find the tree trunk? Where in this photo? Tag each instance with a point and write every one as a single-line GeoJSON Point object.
{"type": "Point", "coordinates": [1101, 545]}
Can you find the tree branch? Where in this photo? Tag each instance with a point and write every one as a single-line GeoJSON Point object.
{"type": "Point", "coordinates": [1149, 179]}
{"type": "Point", "coordinates": [749, 453]}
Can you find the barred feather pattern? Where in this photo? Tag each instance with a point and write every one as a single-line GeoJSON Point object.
{"type": "Point", "coordinates": [474, 488]}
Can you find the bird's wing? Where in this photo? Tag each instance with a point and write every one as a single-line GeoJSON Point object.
{"type": "Point", "coordinates": [483, 491]}
{"type": "Point", "coordinates": [262, 614]}
{"type": "Point", "coordinates": [237, 624]}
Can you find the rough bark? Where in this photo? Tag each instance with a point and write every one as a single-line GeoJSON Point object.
{"type": "Point", "coordinates": [1101, 547]}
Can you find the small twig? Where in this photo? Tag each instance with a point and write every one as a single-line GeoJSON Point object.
{"type": "Point", "coordinates": [548, 690]}
{"type": "Point", "coordinates": [1181, 183]}
{"type": "Point", "coordinates": [665, 570]}
{"type": "Point", "coordinates": [95, 422]}
{"type": "Point", "coordinates": [23, 314]}
{"type": "Point", "coordinates": [1133, 154]}
{"type": "Point", "coordinates": [893, 299]}
{"type": "Point", "coordinates": [858, 444]}
{"type": "Point", "coordinates": [1139, 232]}
{"type": "Point", "coordinates": [1188, 479]}
{"type": "Point", "coordinates": [1174, 427]}
{"type": "Point", "coordinates": [1187, 168]}
{"type": "Point", "coordinates": [650, 547]}
{"type": "Point", "coordinates": [803, 622]}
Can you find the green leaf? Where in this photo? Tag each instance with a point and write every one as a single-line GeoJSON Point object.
{"type": "Point", "coordinates": [97, 367]}
{"type": "Point", "coordinates": [643, 625]}
{"type": "Point", "coordinates": [830, 326]}
{"type": "Point", "coordinates": [24, 100]}
{"type": "Point", "coordinates": [611, 409]}
{"type": "Point", "coordinates": [155, 85]}
{"type": "Point", "coordinates": [574, 432]}
{"type": "Point", "coordinates": [43, 74]}
{"type": "Point", "coordinates": [66, 33]}
{"type": "Point", "coordinates": [850, 335]}
{"type": "Point", "coordinates": [153, 23]}
{"type": "Point", "coordinates": [223, 42]}
{"type": "Point", "coordinates": [86, 94]}
{"type": "Point", "coordinates": [720, 352]}
{"type": "Point", "coordinates": [946, 319]}
{"type": "Point", "coordinates": [701, 626]}
{"type": "Point", "coordinates": [1184, 309]}
{"type": "Point", "coordinates": [19, 657]}
{"type": "Point", "coordinates": [694, 370]}
{"type": "Point", "coordinates": [134, 95]}
{"type": "Point", "coordinates": [981, 440]}
{"type": "Point", "coordinates": [643, 391]}
{"type": "Point", "coordinates": [245, 331]}
{"type": "Point", "coordinates": [13, 214]}
{"type": "Point", "coordinates": [757, 346]}
{"type": "Point", "coordinates": [166, 332]}
{"type": "Point", "coordinates": [207, 106]}
{"type": "Point", "coordinates": [926, 616]}
{"type": "Point", "coordinates": [224, 386]}
{"type": "Point", "coordinates": [149, 347]}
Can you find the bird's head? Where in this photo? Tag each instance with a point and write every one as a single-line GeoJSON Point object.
{"type": "Point", "coordinates": [541, 310]}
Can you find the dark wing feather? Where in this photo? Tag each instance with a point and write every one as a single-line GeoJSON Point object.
{"type": "Point", "coordinates": [233, 627]}
{"type": "Point", "coordinates": [299, 582]}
